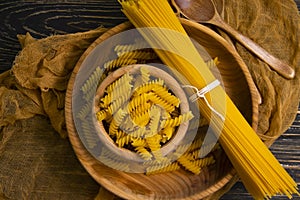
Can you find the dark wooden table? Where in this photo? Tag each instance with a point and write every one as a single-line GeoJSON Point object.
{"type": "Point", "coordinates": [43, 18]}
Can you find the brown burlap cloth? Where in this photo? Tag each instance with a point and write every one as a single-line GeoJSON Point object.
{"type": "Point", "coordinates": [38, 163]}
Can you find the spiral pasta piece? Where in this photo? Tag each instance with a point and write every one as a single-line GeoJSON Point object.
{"type": "Point", "coordinates": [140, 109]}
{"type": "Point", "coordinates": [144, 153]}
{"type": "Point", "coordinates": [189, 165]}
{"type": "Point", "coordinates": [142, 119]}
{"type": "Point", "coordinates": [196, 154]}
{"type": "Point", "coordinates": [116, 121]}
{"type": "Point", "coordinates": [122, 90]}
{"type": "Point", "coordinates": [107, 159]}
{"type": "Point", "coordinates": [148, 87]}
{"type": "Point", "coordinates": [90, 84]}
{"type": "Point", "coordinates": [126, 78]}
{"type": "Point", "coordinates": [105, 101]}
{"type": "Point", "coordinates": [137, 101]}
{"type": "Point", "coordinates": [163, 93]}
{"type": "Point", "coordinates": [138, 54]}
{"type": "Point", "coordinates": [142, 78]}
{"type": "Point", "coordinates": [84, 111]}
{"type": "Point", "coordinates": [119, 62]}
{"type": "Point", "coordinates": [101, 115]}
{"type": "Point", "coordinates": [125, 140]}
{"type": "Point", "coordinates": [127, 125]}
{"type": "Point", "coordinates": [138, 142]}
{"type": "Point", "coordinates": [173, 122]}
{"type": "Point", "coordinates": [197, 143]}
{"type": "Point", "coordinates": [140, 132]}
{"type": "Point", "coordinates": [120, 134]}
{"type": "Point", "coordinates": [159, 101]}
{"type": "Point", "coordinates": [155, 113]}
{"type": "Point", "coordinates": [167, 133]}
{"type": "Point", "coordinates": [118, 103]}
{"type": "Point", "coordinates": [145, 75]}
{"type": "Point", "coordinates": [139, 44]}
{"type": "Point", "coordinates": [163, 162]}
{"type": "Point", "coordinates": [196, 123]}
{"type": "Point", "coordinates": [154, 145]}
{"type": "Point", "coordinates": [91, 139]}
{"type": "Point", "coordinates": [203, 162]}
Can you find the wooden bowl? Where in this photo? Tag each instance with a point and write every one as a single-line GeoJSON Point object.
{"type": "Point", "coordinates": [135, 163]}
{"type": "Point", "coordinates": [179, 184]}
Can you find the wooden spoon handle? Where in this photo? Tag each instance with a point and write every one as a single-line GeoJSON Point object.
{"type": "Point", "coordinates": [279, 66]}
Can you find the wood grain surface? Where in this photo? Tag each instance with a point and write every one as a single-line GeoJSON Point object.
{"type": "Point", "coordinates": [43, 18]}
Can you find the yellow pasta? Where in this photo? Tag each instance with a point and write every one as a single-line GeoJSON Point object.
{"type": "Point", "coordinates": [141, 109]}
{"type": "Point", "coordinates": [189, 165]}
{"type": "Point", "coordinates": [138, 54]}
{"type": "Point", "coordinates": [143, 152]}
{"type": "Point", "coordinates": [259, 170]}
{"type": "Point", "coordinates": [84, 111]}
{"type": "Point", "coordinates": [120, 134]}
{"type": "Point", "coordinates": [142, 119]}
{"type": "Point", "coordinates": [203, 162]}
{"type": "Point", "coordinates": [177, 120]}
{"type": "Point", "coordinates": [126, 78]}
{"type": "Point", "coordinates": [167, 133]}
{"type": "Point", "coordinates": [163, 162]}
{"type": "Point", "coordinates": [135, 121]}
{"type": "Point", "coordinates": [137, 101]}
{"type": "Point", "coordinates": [145, 75]}
{"type": "Point", "coordinates": [153, 143]}
{"type": "Point", "coordinates": [118, 103]}
{"type": "Point", "coordinates": [163, 93]}
{"type": "Point", "coordinates": [207, 148]}
{"type": "Point", "coordinates": [139, 44]}
{"type": "Point", "coordinates": [155, 113]}
{"type": "Point", "coordinates": [89, 138]}
{"type": "Point", "coordinates": [119, 62]}
{"type": "Point", "coordinates": [128, 125]}
{"type": "Point", "coordinates": [125, 140]}
{"type": "Point", "coordinates": [159, 101]}
{"type": "Point", "coordinates": [90, 83]}
{"type": "Point", "coordinates": [116, 121]}
{"type": "Point", "coordinates": [138, 141]}
{"type": "Point", "coordinates": [140, 132]}
{"type": "Point", "coordinates": [101, 115]}
{"type": "Point", "coordinates": [197, 143]}
{"type": "Point", "coordinates": [105, 101]}
{"type": "Point", "coordinates": [122, 90]}
{"type": "Point", "coordinates": [148, 87]}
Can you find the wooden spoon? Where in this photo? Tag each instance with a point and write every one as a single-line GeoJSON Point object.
{"type": "Point", "coordinates": [205, 11]}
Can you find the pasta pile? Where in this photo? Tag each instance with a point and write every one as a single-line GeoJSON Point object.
{"type": "Point", "coordinates": [260, 171]}
{"type": "Point", "coordinates": [141, 114]}
{"type": "Point", "coordinates": [145, 117]}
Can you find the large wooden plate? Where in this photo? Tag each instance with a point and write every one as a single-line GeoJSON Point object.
{"type": "Point", "coordinates": [180, 184]}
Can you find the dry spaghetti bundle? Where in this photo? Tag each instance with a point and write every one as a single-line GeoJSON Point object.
{"type": "Point", "coordinates": [260, 171]}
